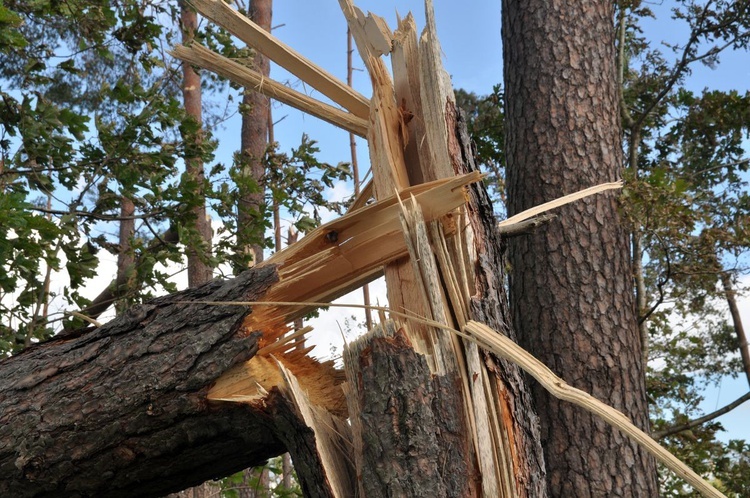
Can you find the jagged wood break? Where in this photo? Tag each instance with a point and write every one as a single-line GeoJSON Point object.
{"type": "Point", "coordinates": [414, 135]}
{"type": "Point", "coordinates": [138, 406]}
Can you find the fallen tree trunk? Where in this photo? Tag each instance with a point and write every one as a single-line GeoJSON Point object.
{"type": "Point", "coordinates": [121, 410]}
{"type": "Point", "coordinates": [133, 407]}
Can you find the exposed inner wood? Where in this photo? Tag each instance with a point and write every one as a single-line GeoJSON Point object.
{"type": "Point", "coordinates": [319, 268]}
{"type": "Point", "coordinates": [345, 253]}
{"type": "Point", "coordinates": [249, 32]}
{"type": "Point", "coordinates": [199, 55]}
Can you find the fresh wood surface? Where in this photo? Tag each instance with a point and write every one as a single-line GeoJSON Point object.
{"type": "Point", "coordinates": [288, 58]}
{"type": "Point", "coordinates": [199, 55]}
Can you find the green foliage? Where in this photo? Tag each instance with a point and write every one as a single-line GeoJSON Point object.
{"type": "Point", "coordinates": [234, 485]}
{"type": "Point", "coordinates": [91, 113]}
{"type": "Point", "coordinates": [687, 202]}
{"type": "Point", "coordinates": [294, 181]}
{"type": "Point", "coordinates": [485, 123]}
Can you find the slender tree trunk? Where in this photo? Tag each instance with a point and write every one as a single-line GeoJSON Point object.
{"type": "Point", "coordinates": [641, 296]}
{"type": "Point", "coordinates": [125, 256]}
{"type": "Point", "coordinates": [255, 483]}
{"type": "Point", "coordinates": [256, 135]}
{"type": "Point", "coordinates": [276, 207]}
{"type": "Point", "coordinates": [254, 142]}
{"type": "Point", "coordinates": [640, 292]}
{"type": "Point", "coordinates": [115, 289]}
{"type": "Point", "coordinates": [739, 329]}
{"type": "Point", "coordinates": [286, 471]}
{"type": "Point", "coordinates": [41, 308]}
{"type": "Point", "coordinates": [199, 271]}
{"type": "Point", "coordinates": [571, 283]}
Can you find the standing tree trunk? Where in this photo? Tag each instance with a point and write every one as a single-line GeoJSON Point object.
{"type": "Point", "coordinates": [731, 296]}
{"type": "Point", "coordinates": [125, 256]}
{"type": "Point", "coordinates": [254, 142]}
{"type": "Point", "coordinates": [199, 271]}
{"type": "Point", "coordinates": [571, 284]}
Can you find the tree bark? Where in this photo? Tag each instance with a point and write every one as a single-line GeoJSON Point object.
{"type": "Point", "coordinates": [409, 430]}
{"type": "Point", "coordinates": [121, 410]}
{"type": "Point", "coordinates": [125, 256]}
{"type": "Point", "coordinates": [571, 284]}
{"type": "Point", "coordinates": [254, 142]}
{"type": "Point", "coordinates": [739, 329]}
{"type": "Point", "coordinates": [199, 271]}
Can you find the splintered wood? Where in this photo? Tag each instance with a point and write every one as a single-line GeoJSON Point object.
{"type": "Point", "coordinates": [429, 412]}
{"type": "Point", "coordinates": [410, 143]}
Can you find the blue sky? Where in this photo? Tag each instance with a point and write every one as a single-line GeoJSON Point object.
{"type": "Point", "coordinates": [471, 43]}
{"type": "Point", "coordinates": [470, 33]}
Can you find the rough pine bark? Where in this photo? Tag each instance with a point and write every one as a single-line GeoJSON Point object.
{"type": "Point", "coordinates": [256, 110]}
{"type": "Point", "coordinates": [571, 282]}
{"type": "Point", "coordinates": [121, 410]}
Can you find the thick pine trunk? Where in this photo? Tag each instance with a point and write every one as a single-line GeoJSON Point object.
{"type": "Point", "coordinates": [121, 410]}
{"type": "Point", "coordinates": [571, 283]}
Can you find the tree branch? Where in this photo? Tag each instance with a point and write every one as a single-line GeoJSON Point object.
{"type": "Point", "coordinates": [659, 285]}
{"type": "Point", "coordinates": [681, 66]}
{"type": "Point", "coordinates": [702, 420]}
{"type": "Point", "coordinates": [102, 217]}
{"type": "Point", "coordinates": [525, 227]}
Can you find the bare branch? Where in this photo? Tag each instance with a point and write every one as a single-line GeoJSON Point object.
{"type": "Point", "coordinates": [702, 420]}
{"type": "Point", "coordinates": [101, 217]}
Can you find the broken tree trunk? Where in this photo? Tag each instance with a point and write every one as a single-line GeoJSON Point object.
{"type": "Point", "coordinates": [456, 405]}
{"type": "Point", "coordinates": [130, 408]}
{"type": "Point", "coordinates": [121, 410]}
{"type": "Point", "coordinates": [141, 405]}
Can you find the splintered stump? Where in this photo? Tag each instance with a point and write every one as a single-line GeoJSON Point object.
{"type": "Point", "coordinates": [411, 439]}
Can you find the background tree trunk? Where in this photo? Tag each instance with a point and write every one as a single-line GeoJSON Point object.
{"type": "Point", "coordinates": [571, 283]}
{"type": "Point", "coordinates": [199, 271]}
{"type": "Point", "coordinates": [254, 142]}
{"type": "Point", "coordinates": [125, 257]}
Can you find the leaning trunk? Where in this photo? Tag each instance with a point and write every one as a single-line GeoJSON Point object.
{"type": "Point", "coordinates": [121, 410]}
